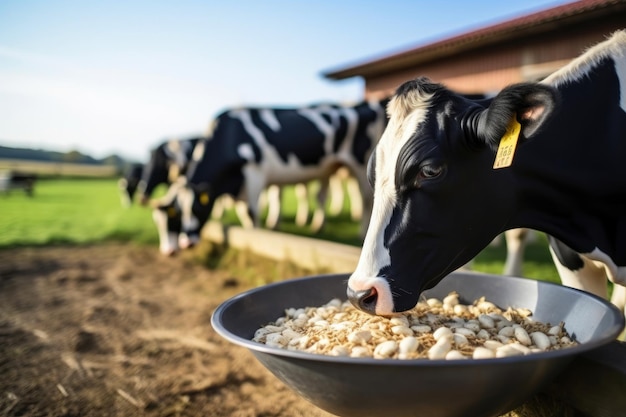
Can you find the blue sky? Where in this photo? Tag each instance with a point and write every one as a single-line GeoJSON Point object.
{"type": "Point", "coordinates": [121, 76]}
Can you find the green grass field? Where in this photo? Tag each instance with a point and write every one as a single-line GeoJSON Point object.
{"type": "Point", "coordinates": [72, 211]}
{"type": "Point", "coordinates": [79, 211]}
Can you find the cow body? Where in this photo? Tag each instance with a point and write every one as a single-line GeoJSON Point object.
{"type": "Point", "coordinates": [439, 200]}
{"type": "Point", "coordinates": [253, 148]}
{"type": "Point", "coordinates": [12, 180]}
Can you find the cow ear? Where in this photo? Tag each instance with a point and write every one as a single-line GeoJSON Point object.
{"type": "Point", "coordinates": [530, 103]}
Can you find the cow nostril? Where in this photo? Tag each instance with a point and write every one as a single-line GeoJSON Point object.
{"type": "Point", "coordinates": [364, 300]}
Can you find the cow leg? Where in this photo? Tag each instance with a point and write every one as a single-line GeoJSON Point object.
{"type": "Point", "coordinates": [168, 239]}
{"type": "Point", "coordinates": [221, 205]}
{"type": "Point", "coordinates": [619, 296]}
{"type": "Point", "coordinates": [190, 228]}
{"type": "Point", "coordinates": [354, 196]}
{"type": "Point", "coordinates": [578, 271]}
{"type": "Point", "coordinates": [302, 203]}
{"type": "Point", "coordinates": [273, 193]}
{"type": "Point", "coordinates": [367, 199]}
{"type": "Point", "coordinates": [336, 193]}
{"type": "Point", "coordinates": [254, 185]}
{"type": "Point", "coordinates": [242, 209]}
{"type": "Point", "coordinates": [319, 215]}
{"type": "Point", "coordinates": [516, 240]}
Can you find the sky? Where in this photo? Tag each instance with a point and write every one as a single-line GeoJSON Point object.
{"type": "Point", "coordinates": [122, 76]}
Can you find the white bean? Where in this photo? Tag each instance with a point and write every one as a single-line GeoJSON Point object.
{"type": "Point", "coordinates": [554, 330]}
{"type": "Point", "coordinates": [483, 334]}
{"type": "Point", "coordinates": [507, 331]}
{"type": "Point", "coordinates": [492, 344]}
{"type": "Point", "coordinates": [276, 339]}
{"type": "Point", "coordinates": [465, 331]}
{"type": "Point", "coordinates": [399, 321]}
{"type": "Point", "coordinates": [472, 325]}
{"type": "Point", "coordinates": [337, 328]}
{"type": "Point", "coordinates": [386, 349]}
{"type": "Point", "coordinates": [421, 328]}
{"type": "Point", "coordinates": [360, 336]}
{"type": "Point", "coordinates": [506, 351]}
{"type": "Point", "coordinates": [460, 339]}
{"type": "Point", "coordinates": [340, 351]}
{"type": "Point", "coordinates": [440, 349]}
{"type": "Point", "coordinates": [483, 353]}
{"type": "Point", "coordinates": [540, 340]}
{"type": "Point", "coordinates": [524, 349]}
{"type": "Point", "coordinates": [486, 322]}
{"type": "Point", "coordinates": [451, 299]}
{"type": "Point", "coordinates": [402, 330]}
{"type": "Point", "coordinates": [455, 355]}
{"type": "Point", "coordinates": [441, 333]}
{"type": "Point", "coordinates": [408, 345]}
{"type": "Point", "coordinates": [460, 309]}
{"type": "Point", "coordinates": [434, 302]}
{"type": "Point", "coordinates": [522, 336]}
{"type": "Point", "coordinates": [360, 352]}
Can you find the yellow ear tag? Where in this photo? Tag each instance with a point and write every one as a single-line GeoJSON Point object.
{"type": "Point", "coordinates": [171, 212]}
{"type": "Point", "coordinates": [506, 148]}
{"type": "Point", "coordinates": [204, 199]}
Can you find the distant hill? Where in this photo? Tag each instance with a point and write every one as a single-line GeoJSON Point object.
{"type": "Point", "coordinates": [73, 157]}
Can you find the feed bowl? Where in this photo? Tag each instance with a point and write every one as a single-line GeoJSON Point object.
{"type": "Point", "coordinates": [364, 387]}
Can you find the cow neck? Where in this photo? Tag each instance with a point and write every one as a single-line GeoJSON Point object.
{"type": "Point", "coordinates": [574, 163]}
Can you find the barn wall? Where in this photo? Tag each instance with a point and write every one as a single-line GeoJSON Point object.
{"type": "Point", "coordinates": [488, 70]}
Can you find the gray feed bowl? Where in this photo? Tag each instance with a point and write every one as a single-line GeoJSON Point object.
{"type": "Point", "coordinates": [360, 387]}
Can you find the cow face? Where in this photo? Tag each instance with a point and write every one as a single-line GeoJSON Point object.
{"type": "Point", "coordinates": [437, 199]}
{"type": "Point", "coordinates": [211, 173]}
{"type": "Point", "coordinates": [129, 183]}
{"type": "Point", "coordinates": [154, 173]}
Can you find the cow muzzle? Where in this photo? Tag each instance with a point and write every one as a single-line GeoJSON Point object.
{"type": "Point", "coordinates": [371, 295]}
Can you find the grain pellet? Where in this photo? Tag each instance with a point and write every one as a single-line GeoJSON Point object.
{"type": "Point", "coordinates": [435, 329]}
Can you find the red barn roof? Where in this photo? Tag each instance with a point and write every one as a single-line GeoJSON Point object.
{"type": "Point", "coordinates": [532, 24]}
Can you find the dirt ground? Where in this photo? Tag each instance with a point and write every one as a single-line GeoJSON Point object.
{"type": "Point", "coordinates": [119, 330]}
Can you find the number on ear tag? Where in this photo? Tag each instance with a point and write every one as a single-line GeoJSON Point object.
{"type": "Point", "coordinates": [506, 148]}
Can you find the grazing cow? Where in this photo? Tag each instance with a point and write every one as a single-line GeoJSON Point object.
{"type": "Point", "coordinates": [439, 198]}
{"type": "Point", "coordinates": [10, 180]}
{"type": "Point", "coordinates": [129, 182]}
{"type": "Point", "coordinates": [257, 147]}
{"type": "Point", "coordinates": [167, 162]}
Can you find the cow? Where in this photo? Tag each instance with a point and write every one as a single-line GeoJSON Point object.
{"type": "Point", "coordinates": [129, 182]}
{"type": "Point", "coordinates": [168, 161]}
{"type": "Point", "coordinates": [11, 180]}
{"type": "Point", "coordinates": [168, 164]}
{"type": "Point", "coordinates": [445, 184]}
{"type": "Point", "coordinates": [250, 149]}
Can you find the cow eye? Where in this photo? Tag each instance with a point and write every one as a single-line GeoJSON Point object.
{"type": "Point", "coordinates": [430, 171]}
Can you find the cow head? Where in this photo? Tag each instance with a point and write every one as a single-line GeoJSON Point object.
{"type": "Point", "coordinates": [212, 172]}
{"type": "Point", "coordinates": [437, 199]}
{"type": "Point", "coordinates": [129, 183]}
{"type": "Point", "coordinates": [154, 173]}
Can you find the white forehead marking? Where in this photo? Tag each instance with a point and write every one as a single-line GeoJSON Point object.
{"type": "Point", "coordinates": [406, 114]}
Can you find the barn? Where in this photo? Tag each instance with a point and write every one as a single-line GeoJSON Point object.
{"type": "Point", "coordinates": [483, 61]}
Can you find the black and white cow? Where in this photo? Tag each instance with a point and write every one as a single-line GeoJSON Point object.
{"type": "Point", "coordinates": [252, 148]}
{"type": "Point", "coordinates": [129, 182]}
{"type": "Point", "coordinates": [438, 200]}
{"type": "Point", "coordinates": [168, 161]}
{"type": "Point", "coordinates": [12, 180]}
